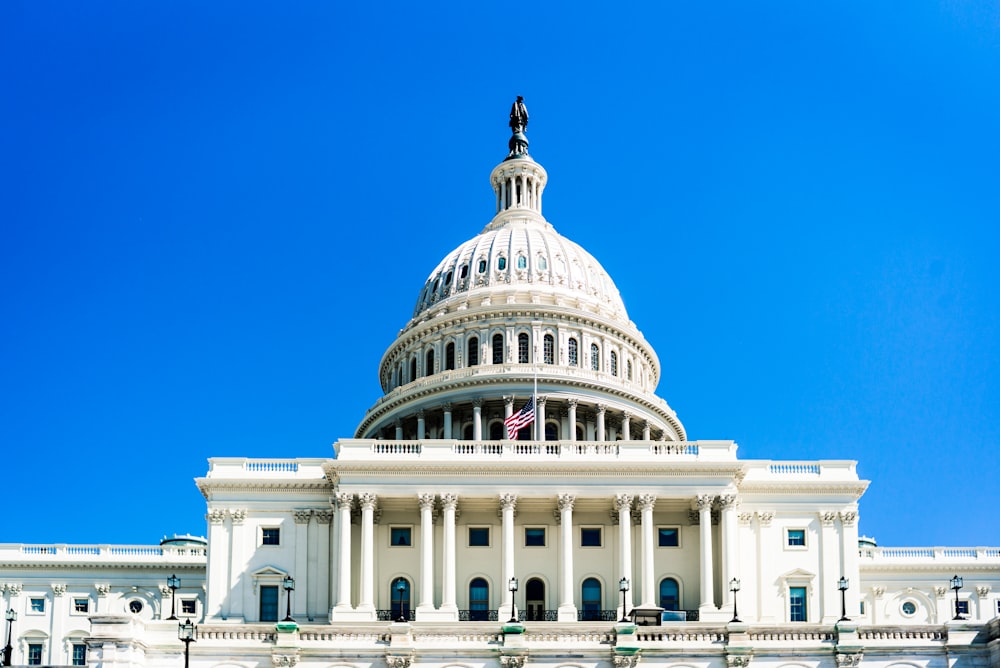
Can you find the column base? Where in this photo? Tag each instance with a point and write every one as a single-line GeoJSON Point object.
{"type": "Point", "coordinates": [567, 613]}
{"type": "Point", "coordinates": [429, 614]}
{"type": "Point", "coordinates": [348, 614]}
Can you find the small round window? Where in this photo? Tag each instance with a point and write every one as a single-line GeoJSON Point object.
{"type": "Point", "coordinates": [909, 608]}
{"type": "Point", "coordinates": [135, 606]}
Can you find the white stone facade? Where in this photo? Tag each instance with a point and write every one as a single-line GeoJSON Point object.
{"type": "Point", "coordinates": [402, 545]}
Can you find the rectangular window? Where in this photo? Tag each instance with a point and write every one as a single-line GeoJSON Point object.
{"type": "Point", "coordinates": [269, 603]}
{"type": "Point", "coordinates": [81, 605]}
{"type": "Point", "coordinates": [79, 654]}
{"type": "Point", "coordinates": [34, 654]}
{"type": "Point", "coordinates": [38, 605]}
{"type": "Point", "coordinates": [668, 536]}
{"type": "Point", "coordinates": [862, 607]}
{"type": "Point", "coordinates": [270, 536]}
{"type": "Point", "coordinates": [796, 537]}
{"type": "Point", "coordinates": [962, 607]}
{"type": "Point", "coordinates": [796, 604]}
{"type": "Point", "coordinates": [479, 536]}
{"type": "Point", "coordinates": [534, 536]}
{"type": "Point", "coordinates": [590, 537]}
{"type": "Point", "coordinates": [400, 536]}
{"type": "Point", "coordinates": [189, 606]}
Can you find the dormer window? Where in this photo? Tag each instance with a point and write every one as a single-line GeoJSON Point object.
{"type": "Point", "coordinates": [542, 264]}
{"type": "Point", "coordinates": [522, 262]}
{"type": "Point", "coordinates": [482, 266]}
{"type": "Point", "coordinates": [501, 263]}
{"type": "Point", "coordinates": [464, 271]}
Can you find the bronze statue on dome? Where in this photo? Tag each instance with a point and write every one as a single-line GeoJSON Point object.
{"type": "Point", "coordinates": [518, 143]}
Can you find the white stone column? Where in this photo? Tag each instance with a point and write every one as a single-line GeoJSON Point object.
{"type": "Point", "coordinates": [540, 419]}
{"type": "Point", "coordinates": [705, 526]}
{"type": "Point", "coordinates": [217, 580]}
{"type": "Point", "coordinates": [323, 562]}
{"type": "Point", "coordinates": [421, 426]}
{"type": "Point", "coordinates": [508, 408]}
{"type": "Point", "coordinates": [623, 504]}
{"type": "Point", "coordinates": [646, 503]}
{"type": "Point", "coordinates": [850, 561]}
{"type": "Point", "coordinates": [507, 505]}
{"type": "Point", "coordinates": [730, 545]}
{"type": "Point", "coordinates": [344, 502]}
{"type": "Point", "coordinates": [236, 587]}
{"type": "Point", "coordinates": [829, 568]}
{"type": "Point", "coordinates": [399, 429]}
{"type": "Point", "coordinates": [449, 504]}
{"type": "Point", "coordinates": [626, 426]}
{"type": "Point", "coordinates": [366, 598]}
{"type": "Point", "coordinates": [769, 606]}
{"type": "Point", "coordinates": [447, 420]}
{"type": "Point", "coordinates": [567, 608]}
{"type": "Point", "coordinates": [477, 419]}
{"type": "Point", "coordinates": [601, 409]}
{"type": "Point", "coordinates": [304, 587]}
{"type": "Point", "coordinates": [572, 419]}
{"type": "Point", "coordinates": [426, 554]}
{"type": "Point", "coordinates": [645, 430]}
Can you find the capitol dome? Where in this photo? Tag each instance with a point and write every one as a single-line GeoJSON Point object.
{"type": "Point", "coordinates": [520, 311]}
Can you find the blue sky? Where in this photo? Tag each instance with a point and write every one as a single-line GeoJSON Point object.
{"type": "Point", "coordinates": [216, 216]}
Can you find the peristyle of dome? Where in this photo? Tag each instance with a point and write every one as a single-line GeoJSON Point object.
{"type": "Point", "coordinates": [520, 310]}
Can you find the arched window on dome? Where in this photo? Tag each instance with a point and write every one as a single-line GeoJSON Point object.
{"type": "Point", "coordinates": [447, 280]}
{"type": "Point", "coordinates": [429, 363]}
{"type": "Point", "coordinates": [595, 357]}
{"type": "Point", "coordinates": [628, 369]}
{"type": "Point", "coordinates": [472, 353]}
{"type": "Point", "coordinates": [542, 263]}
{"type": "Point", "coordinates": [669, 594]}
{"type": "Point", "coordinates": [549, 349]}
{"type": "Point", "coordinates": [614, 363]}
{"type": "Point", "coordinates": [573, 352]}
{"type": "Point", "coordinates": [449, 356]}
{"type": "Point", "coordinates": [464, 271]}
{"type": "Point", "coordinates": [482, 266]}
{"type": "Point", "coordinates": [501, 263]}
{"type": "Point", "coordinates": [522, 262]}
{"type": "Point", "coordinates": [413, 369]}
{"type": "Point", "coordinates": [498, 348]}
{"type": "Point", "coordinates": [522, 348]}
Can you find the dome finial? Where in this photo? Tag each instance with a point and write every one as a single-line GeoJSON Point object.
{"type": "Point", "coordinates": [518, 143]}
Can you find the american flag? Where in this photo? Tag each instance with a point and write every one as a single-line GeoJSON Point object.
{"type": "Point", "coordinates": [520, 419]}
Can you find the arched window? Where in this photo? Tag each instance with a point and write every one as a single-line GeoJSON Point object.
{"type": "Point", "coordinates": [429, 363]}
{"type": "Point", "coordinates": [447, 280]}
{"type": "Point", "coordinates": [449, 356]}
{"type": "Point", "coordinates": [467, 433]}
{"type": "Point", "coordinates": [614, 363]}
{"type": "Point", "coordinates": [522, 262]}
{"type": "Point", "coordinates": [482, 266]}
{"type": "Point", "coordinates": [573, 352]}
{"type": "Point", "coordinates": [580, 433]}
{"type": "Point", "coordinates": [473, 353]}
{"type": "Point", "coordinates": [498, 348]}
{"type": "Point", "coordinates": [628, 369]}
{"type": "Point", "coordinates": [501, 263]}
{"type": "Point", "coordinates": [551, 431]}
{"type": "Point", "coordinates": [413, 369]}
{"type": "Point", "coordinates": [534, 600]}
{"type": "Point", "coordinates": [542, 263]}
{"type": "Point", "coordinates": [522, 348]}
{"type": "Point", "coordinates": [549, 349]}
{"type": "Point", "coordinates": [497, 431]}
{"type": "Point", "coordinates": [591, 599]}
{"type": "Point", "coordinates": [479, 600]}
{"type": "Point", "coordinates": [464, 271]}
{"type": "Point", "coordinates": [400, 597]}
{"type": "Point", "coordinates": [595, 357]}
{"type": "Point", "coordinates": [669, 594]}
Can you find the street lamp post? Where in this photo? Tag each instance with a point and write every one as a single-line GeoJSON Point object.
{"type": "Point", "coordinates": [623, 588]}
{"type": "Point", "coordinates": [187, 632]}
{"type": "Point", "coordinates": [289, 584]}
{"type": "Point", "coordinates": [956, 584]}
{"type": "Point", "coordinates": [8, 650]}
{"type": "Point", "coordinates": [401, 589]}
{"type": "Point", "coordinates": [512, 585]}
{"type": "Point", "coordinates": [173, 584]}
{"type": "Point", "coordinates": [842, 586]}
{"type": "Point", "coordinates": [734, 586]}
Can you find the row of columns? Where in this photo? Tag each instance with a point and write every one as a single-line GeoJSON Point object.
{"type": "Point", "coordinates": [568, 427]}
{"type": "Point", "coordinates": [567, 611]}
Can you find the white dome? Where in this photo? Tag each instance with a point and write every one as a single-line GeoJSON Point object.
{"type": "Point", "coordinates": [514, 251]}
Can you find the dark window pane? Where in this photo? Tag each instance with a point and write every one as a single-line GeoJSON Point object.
{"type": "Point", "coordinates": [534, 537]}
{"type": "Point", "coordinates": [590, 537]}
{"type": "Point", "coordinates": [479, 536]}
{"type": "Point", "coordinates": [270, 536]}
{"type": "Point", "coordinates": [796, 537]}
{"type": "Point", "coordinates": [797, 604]}
{"type": "Point", "coordinates": [669, 536]}
{"type": "Point", "coordinates": [269, 603]}
{"type": "Point", "coordinates": [400, 536]}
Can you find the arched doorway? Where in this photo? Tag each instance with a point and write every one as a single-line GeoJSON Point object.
{"type": "Point", "coordinates": [534, 600]}
{"type": "Point", "coordinates": [400, 609]}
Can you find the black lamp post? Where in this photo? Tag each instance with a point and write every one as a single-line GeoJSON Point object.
{"type": "Point", "coordinates": [623, 588]}
{"type": "Point", "coordinates": [956, 584]}
{"type": "Point", "coordinates": [173, 584]}
{"type": "Point", "coordinates": [187, 632]}
{"type": "Point", "coordinates": [734, 586]}
{"type": "Point", "coordinates": [401, 589]}
{"type": "Point", "coordinates": [512, 586]}
{"type": "Point", "coordinates": [8, 650]}
{"type": "Point", "coordinates": [289, 584]}
{"type": "Point", "coordinates": [842, 586]}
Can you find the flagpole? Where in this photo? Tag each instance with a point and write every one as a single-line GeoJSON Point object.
{"type": "Point", "coordinates": [534, 402]}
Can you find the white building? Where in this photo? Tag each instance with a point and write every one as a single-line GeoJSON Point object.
{"type": "Point", "coordinates": [404, 546]}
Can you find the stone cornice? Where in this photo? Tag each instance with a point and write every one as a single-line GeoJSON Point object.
{"type": "Point", "coordinates": [260, 486]}
{"type": "Point", "coordinates": [722, 470]}
{"type": "Point", "coordinates": [781, 487]}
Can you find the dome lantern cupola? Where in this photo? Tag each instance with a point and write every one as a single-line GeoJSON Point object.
{"type": "Point", "coordinates": [518, 181]}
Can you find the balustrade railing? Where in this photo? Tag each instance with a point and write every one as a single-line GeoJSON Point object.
{"type": "Point", "coordinates": [394, 616]}
{"type": "Point", "coordinates": [596, 615]}
{"type": "Point", "coordinates": [478, 616]}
